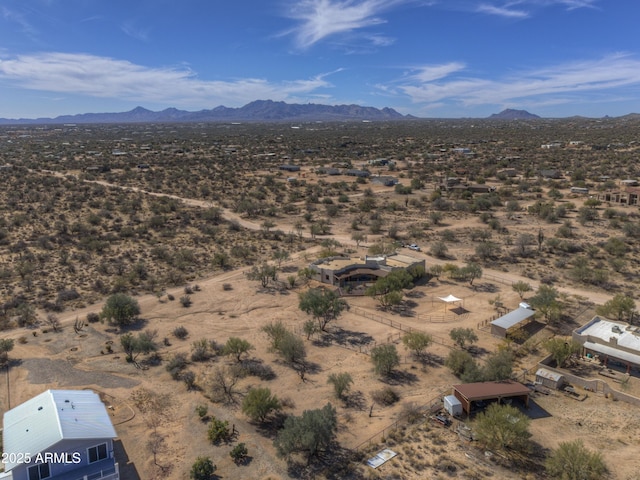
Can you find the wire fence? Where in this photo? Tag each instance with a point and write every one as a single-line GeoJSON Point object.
{"type": "Point", "coordinates": [416, 416]}
{"type": "Point", "coordinates": [395, 324]}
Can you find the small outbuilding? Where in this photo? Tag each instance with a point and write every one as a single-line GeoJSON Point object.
{"type": "Point", "coordinates": [452, 405]}
{"type": "Point", "coordinates": [550, 379]}
{"type": "Point", "coordinates": [512, 320]}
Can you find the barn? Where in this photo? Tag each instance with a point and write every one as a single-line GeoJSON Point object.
{"type": "Point", "coordinates": [470, 393]}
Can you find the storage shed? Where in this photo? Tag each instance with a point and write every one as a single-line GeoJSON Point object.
{"type": "Point", "coordinates": [548, 378]}
{"type": "Point", "coordinates": [501, 326]}
{"type": "Point", "coordinates": [452, 405]}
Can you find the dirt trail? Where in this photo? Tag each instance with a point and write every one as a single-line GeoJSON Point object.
{"type": "Point", "coordinates": [598, 297]}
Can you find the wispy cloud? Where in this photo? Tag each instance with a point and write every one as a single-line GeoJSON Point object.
{"type": "Point", "coordinates": [502, 11]}
{"type": "Point", "coordinates": [524, 8]}
{"type": "Point", "coordinates": [19, 19]}
{"type": "Point", "coordinates": [319, 19]}
{"type": "Point", "coordinates": [131, 29]}
{"type": "Point", "coordinates": [553, 84]}
{"type": "Point", "coordinates": [105, 77]}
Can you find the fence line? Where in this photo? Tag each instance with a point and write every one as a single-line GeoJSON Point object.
{"type": "Point", "coordinates": [395, 324]}
{"type": "Point", "coordinates": [425, 410]}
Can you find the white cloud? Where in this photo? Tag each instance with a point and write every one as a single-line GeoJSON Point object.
{"type": "Point", "coordinates": [502, 11]}
{"type": "Point", "coordinates": [104, 77]}
{"type": "Point", "coordinates": [428, 73]}
{"type": "Point", "coordinates": [508, 10]}
{"type": "Point", "coordinates": [553, 84]}
{"type": "Point", "coordinates": [322, 18]}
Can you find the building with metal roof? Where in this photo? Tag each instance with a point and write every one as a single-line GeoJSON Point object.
{"type": "Point", "coordinates": [468, 393]}
{"type": "Point", "coordinates": [59, 434]}
{"type": "Point", "coordinates": [514, 319]}
{"type": "Point", "coordinates": [611, 342]}
{"type": "Point", "coordinates": [548, 378]}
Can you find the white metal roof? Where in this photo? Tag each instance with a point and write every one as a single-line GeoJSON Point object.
{"type": "Point", "coordinates": [55, 415]}
{"type": "Point", "coordinates": [513, 318]}
{"type": "Point", "coordinates": [625, 335]}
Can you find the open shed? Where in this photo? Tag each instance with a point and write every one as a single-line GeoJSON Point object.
{"type": "Point", "coordinates": [468, 393]}
{"type": "Point", "coordinates": [516, 318]}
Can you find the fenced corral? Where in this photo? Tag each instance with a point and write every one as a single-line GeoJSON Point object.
{"type": "Point", "coordinates": [396, 324]}
{"type": "Point", "coordinates": [416, 417]}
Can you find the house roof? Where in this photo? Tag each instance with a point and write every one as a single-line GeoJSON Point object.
{"type": "Point", "coordinates": [485, 390]}
{"type": "Point", "coordinates": [53, 416]}
{"type": "Point", "coordinates": [513, 318]}
{"type": "Point", "coordinates": [625, 335]}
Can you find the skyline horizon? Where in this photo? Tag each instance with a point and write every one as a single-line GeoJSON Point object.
{"type": "Point", "coordinates": [427, 58]}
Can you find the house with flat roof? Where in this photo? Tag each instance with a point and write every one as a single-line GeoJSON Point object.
{"type": "Point", "coordinates": [343, 271]}
{"type": "Point", "coordinates": [614, 343]}
{"type": "Point", "coordinates": [59, 435]}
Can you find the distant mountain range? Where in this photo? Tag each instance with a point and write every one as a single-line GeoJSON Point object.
{"type": "Point", "coordinates": [510, 114]}
{"type": "Point", "coordinates": [258, 111]}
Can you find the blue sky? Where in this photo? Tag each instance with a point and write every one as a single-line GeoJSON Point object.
{"type": "Point", "coordinates": [430, 58]}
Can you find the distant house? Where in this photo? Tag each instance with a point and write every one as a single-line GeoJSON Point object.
{"type": "Point", "coordinates": [508, 172]}
{"type": "Point", "coordinates": [290, 168]}
{"type": "Point", "coordinates": [627, 196]}
{"type": "Point", "coordinates": [349, 272]}
{"type": "Point", "coordinates": [551, 174]}
{"type": "Point", "coordinates": [67, 434]}
{"type": "Point", "coordinates": [328, 171]}
{"type": "Point", "coordinates": [385, 180]}
{"type": "Point", "coordinates": [580, 190]}
{"type": "Point", "coordinates": [357, 173]}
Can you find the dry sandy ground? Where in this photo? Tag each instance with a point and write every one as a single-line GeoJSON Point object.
{"type": "Point", "coordinates": [67, 360]}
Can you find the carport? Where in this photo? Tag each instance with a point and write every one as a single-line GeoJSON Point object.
{"type": "Point", "coordinates": [468, 393]}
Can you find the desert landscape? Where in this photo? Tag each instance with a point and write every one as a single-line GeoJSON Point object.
{"type": "Point", "coordinates": [212, 228]}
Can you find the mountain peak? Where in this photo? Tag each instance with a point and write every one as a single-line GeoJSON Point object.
{"type": "Point", "coordinates": [511, 114]}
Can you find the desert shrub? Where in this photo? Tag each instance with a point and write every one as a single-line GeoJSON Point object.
{"type": "Point", "coordinates": [180, 332]}
{"type": "Point", "coordinates": [185, 301]}
{"type": "Point", "coordinates": [67, 295]}
{"type": "Point", "coordinates": [256, 368]}
{"type": "Point", "coordinates": [218, 431]}
{"type": "Point", "coordinates": [200, 350]}
{"type": "Point", "coordinates": [201, 411]}
{"type": "Point", "coordinates": [386, 396]}
{"type": "Point", "coordinates": [239, 453]}
{"type": "Point", "coordinates": [93, 317]}
{"type": "Point", "coordinates": [177, 363]}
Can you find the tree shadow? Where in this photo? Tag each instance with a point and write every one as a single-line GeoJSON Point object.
{"type": "Point", "coordinates": [348, 337]}
{"type": "Point", "coordinates": [355, 400]}
{"type": "Point", "coordinates": [486, 287]}
{"type": "Point", "coordinates": [400, 377]}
